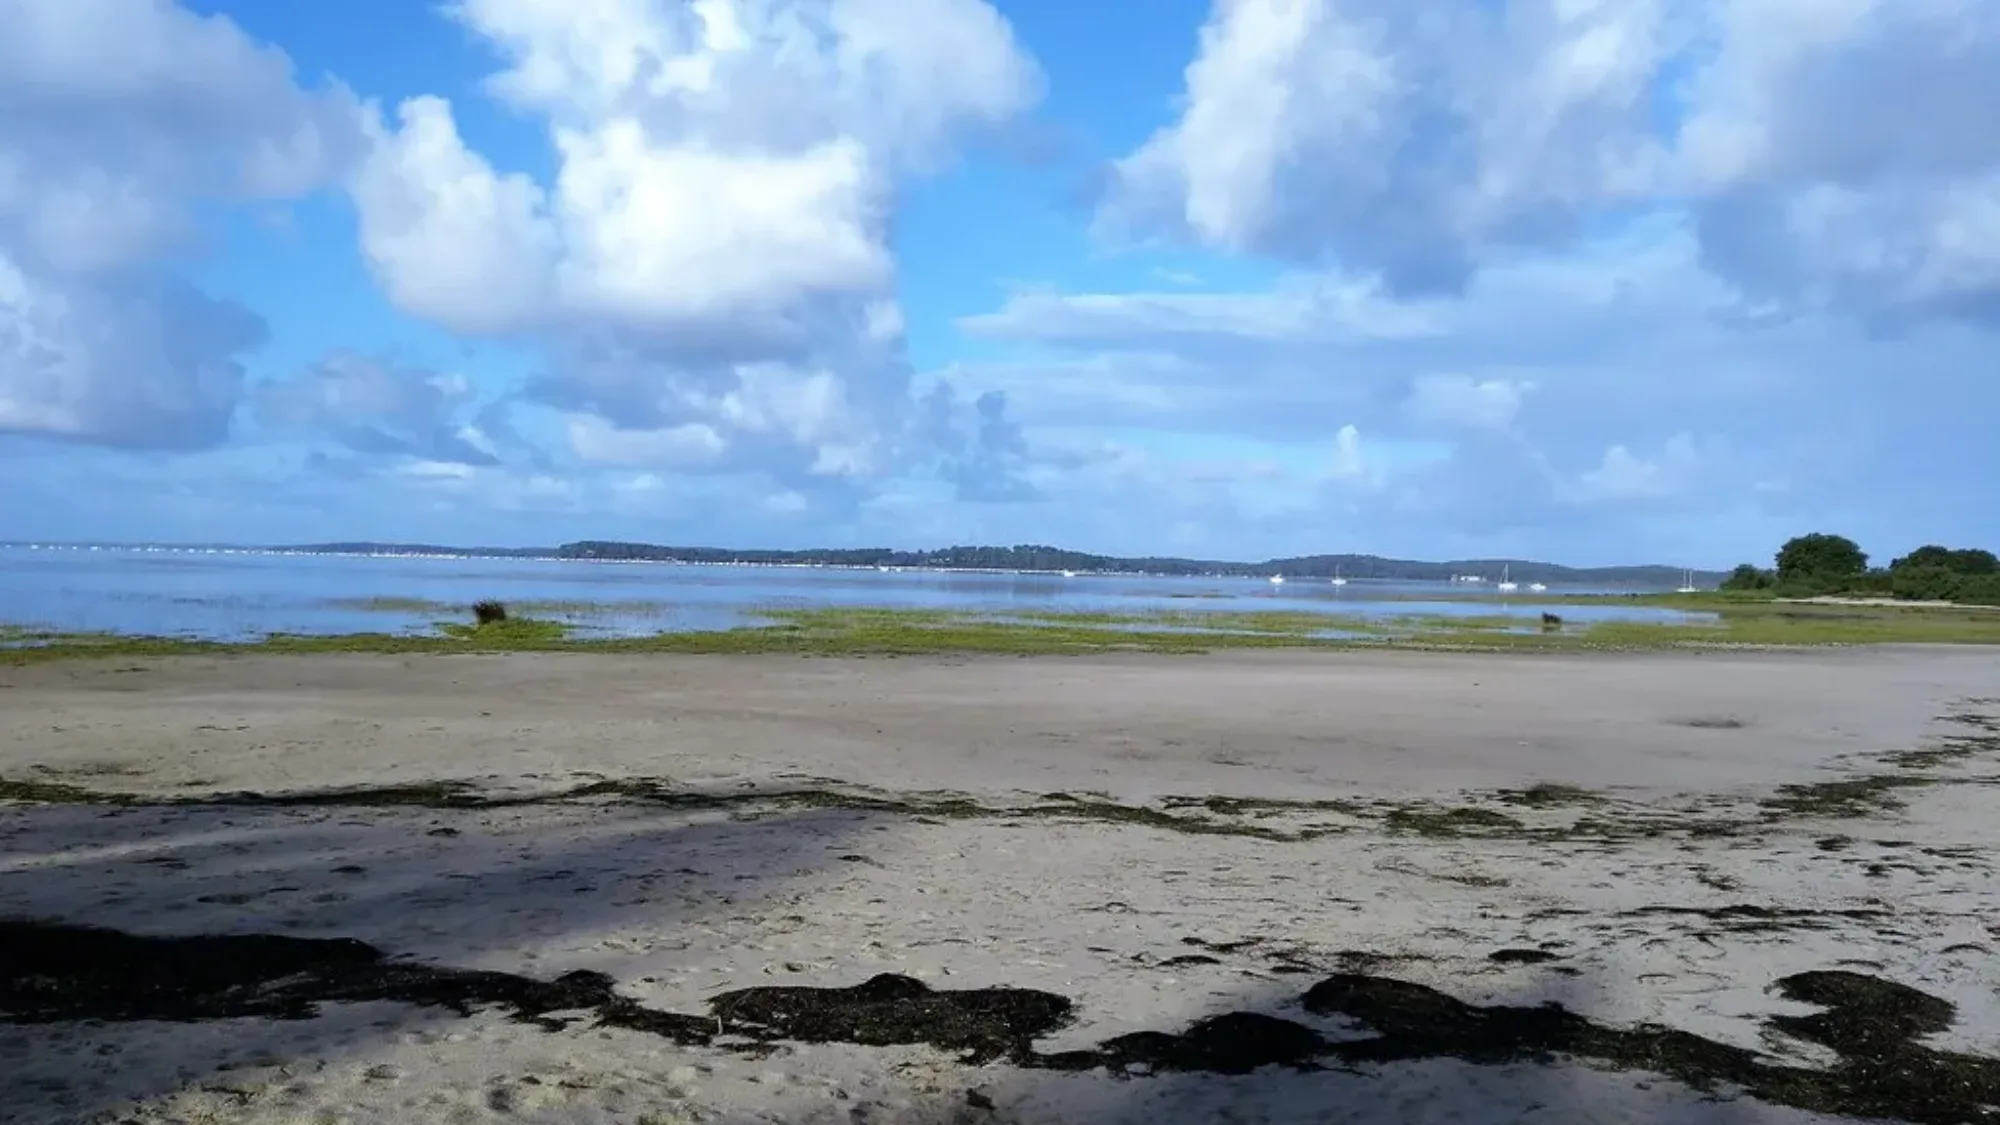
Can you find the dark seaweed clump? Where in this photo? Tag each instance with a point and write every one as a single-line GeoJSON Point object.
{"type": "Point", "coordinates": [1521, 956]}
{"type": "Point", "coordinates": [981, 1024]}
{"type": "Point", "coordinates": [52, 972]}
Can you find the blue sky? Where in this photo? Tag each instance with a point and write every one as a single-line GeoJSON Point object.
{"type": "Point", "coordinates": [1644, 280]}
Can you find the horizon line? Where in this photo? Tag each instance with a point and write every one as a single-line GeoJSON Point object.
{"type": "Point", "coordinates": [550, 551]}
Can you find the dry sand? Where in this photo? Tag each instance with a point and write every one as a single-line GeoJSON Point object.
{"type": "Point", "coordinates": [1382, 831]}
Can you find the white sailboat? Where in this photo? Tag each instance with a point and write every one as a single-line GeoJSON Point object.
{"type": "Point", "coordinates": [1337, 579]}
{"type": "Point", "coordinates": [1538, 587]}
{"type": "Point", "coordinates": [1277, 580]}
{"type": "Point", "coordinates": [1506, 585]}
{"type": "Point", "coordinates": [1687, 583]}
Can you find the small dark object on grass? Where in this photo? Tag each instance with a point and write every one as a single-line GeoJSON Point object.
{"type": "Point", "coordinates": [489, 611]}
{"type": "Point", "coordinates": [1551, 623]}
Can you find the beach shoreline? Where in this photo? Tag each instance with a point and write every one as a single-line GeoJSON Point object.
{"type": "Point", "coordinates": [1643, 838]}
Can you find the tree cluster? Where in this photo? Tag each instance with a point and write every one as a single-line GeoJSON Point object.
{"type": "Point", "coordinates": [1821, 564]}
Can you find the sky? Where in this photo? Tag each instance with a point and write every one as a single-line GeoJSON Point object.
{"type": "Point", "coordinates": [1594, 281]}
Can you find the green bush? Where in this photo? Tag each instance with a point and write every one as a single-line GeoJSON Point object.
{"type": "Point", "coordinates": [1747, 577]}
{"type": "Point", "coordinates": [1927, 582]}
{"type": "Point", "coordinates": [1979, 589]}
{"type": "Point", "coordinates": [1821, 565]}
{"type": "Point", "coordinates": [1875, 584]}
{"type": "Point", "coordinates": [1827, 562]}
{"type": "Point", "coordinates": [1966, 561]}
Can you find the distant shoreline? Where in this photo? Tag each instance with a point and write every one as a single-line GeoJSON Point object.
{"type": "Point", "coordinates": [1031, 559]}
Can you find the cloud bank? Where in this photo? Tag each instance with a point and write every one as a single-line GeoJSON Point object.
{"type": "Point", "coordinates": [1609, 281]}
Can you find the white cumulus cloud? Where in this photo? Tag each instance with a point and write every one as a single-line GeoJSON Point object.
{"type": "Point", "coordinates": [715, 237]}
{"type": "Point", "coordinates": [1836, 152]}
{"type": "Point", "coordinates": [1400, 139]}
{"type": "Point", "coordinates": [118, 120]}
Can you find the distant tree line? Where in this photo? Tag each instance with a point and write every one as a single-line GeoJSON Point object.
{"type": "Point", "coordinates": [1820, 564]}
{"type": "Point", "coordinates": [1027, 557]}
{"type": "Point", "coordinates": [1046, 558]}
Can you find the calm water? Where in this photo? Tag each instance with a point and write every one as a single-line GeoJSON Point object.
{"type": "Point", "coordinates": [231, 596]}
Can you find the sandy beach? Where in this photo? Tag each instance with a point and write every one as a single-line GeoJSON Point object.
{"type": "Point", "coordinates": [1253, 887]}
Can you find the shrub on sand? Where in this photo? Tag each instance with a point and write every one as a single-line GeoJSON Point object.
{"type": "Point", "coordinates": [1551, 623]}
{"type": "Point", "coordinates": [489, 611]}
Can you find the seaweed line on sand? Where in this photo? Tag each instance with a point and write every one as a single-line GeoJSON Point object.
{"type": "Point", "coordinates": [1579, 816]}
{"type": "Point", "coordinates": [458, 795]}
{"type": "Point", "coordinates": [1276, 821]}
{"type": "Point", "coordinates": [1873, 792]}
{"type": "Point", "coordinates": [1520, 814]}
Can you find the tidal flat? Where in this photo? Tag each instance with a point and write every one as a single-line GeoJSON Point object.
{"type": "Point", "coordinates": [1262, 884]}
{"type": "Point", "coordinates": [864, 631]}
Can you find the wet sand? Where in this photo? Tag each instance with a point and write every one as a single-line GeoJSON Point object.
{"type": "Point", "coordinates": [1657, 838]}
